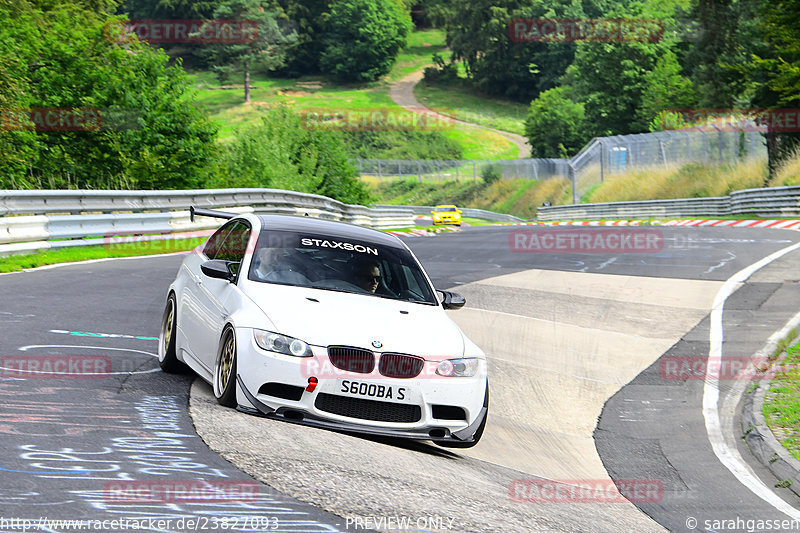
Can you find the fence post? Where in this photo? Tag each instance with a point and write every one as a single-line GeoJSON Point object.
{"type": "Point", "coordinates": [663, 153]}
{"type": "Point", "coordinates": [419, 171]}
{"type": "Point", "coordinates": [602, 161]}
{"type": "Point", "coordinates": [380, 172]}
{"type": "Point", "coordinates": [574, 183]}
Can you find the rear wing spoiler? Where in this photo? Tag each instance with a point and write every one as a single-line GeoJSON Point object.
{"type": "Point", "coordinates": [193, 211]}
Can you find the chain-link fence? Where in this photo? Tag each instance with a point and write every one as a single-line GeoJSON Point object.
{"type": "Point", "coordinates": [667, 150]}
{"type": "Point", "coordinates": [603, 156]}
{"type": "Point", "coordinates": [462, 170]}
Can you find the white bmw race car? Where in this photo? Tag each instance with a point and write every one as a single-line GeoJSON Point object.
{"type": "Point", "coordinates": [326, 324]}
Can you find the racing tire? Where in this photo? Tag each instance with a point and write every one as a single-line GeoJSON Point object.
{"type": "Point", "coordinates": [478, 432]}
{"type": "Point", "coordinates": [225, 370]}
{"type": "Point", "coordinates": [167, 355]}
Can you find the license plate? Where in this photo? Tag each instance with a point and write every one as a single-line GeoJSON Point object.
{"type": "Point", "coordinates": [373, 390]}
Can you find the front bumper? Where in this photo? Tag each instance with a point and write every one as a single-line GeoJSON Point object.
{"type": "Point", "coordinates": [446, 220]}
{"type": "Point", "coordinates": [256, 368]}
{"type": "Point", "coordinates": [288, 414]}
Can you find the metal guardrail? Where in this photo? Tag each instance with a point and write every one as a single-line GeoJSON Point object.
{"type": "Point", "coordinates": [767, 202]}
{"type": "Point", "coordinates": [466, 211]}
{"type": "Point", "coordinates": [35, 220]}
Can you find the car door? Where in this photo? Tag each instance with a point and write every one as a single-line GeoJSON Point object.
{"type": "Point", "coordinates": [212, 297]}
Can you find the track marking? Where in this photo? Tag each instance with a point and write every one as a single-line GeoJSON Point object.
{"type": "Point", "coordinates": [33, 346]}
{"type": "Point", "coordinates": [728, 455]}
{"type": "Point", "coordinates": [103, 335]}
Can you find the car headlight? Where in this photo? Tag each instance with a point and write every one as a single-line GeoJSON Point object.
{"type": "Point", "coordinates": [275, 342]}
{"type": "Point", "coordinates": [463, 368]}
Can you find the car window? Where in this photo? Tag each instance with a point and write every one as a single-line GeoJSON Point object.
{"type": "Point", "coordinates": [235, 245]}
{"type": "Point", "coordinates": [215, 241]}
{"type": "Point", "coordinates": [338, 264]}
{"type": "Point", "coordinates": [446, 209]}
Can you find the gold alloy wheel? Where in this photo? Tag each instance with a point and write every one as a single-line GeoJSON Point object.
{"type": "Point", "coordinates": [168, 320]}
{"type": "Point", "coordinates": [226, 361]}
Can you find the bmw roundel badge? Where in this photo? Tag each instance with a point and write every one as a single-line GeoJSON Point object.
{"type": "Point", "coordinates": [377, 344]}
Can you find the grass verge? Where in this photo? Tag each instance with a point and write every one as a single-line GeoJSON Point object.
{"type": "Point", "coordinates": [782, 402]}
{"type": "Point", "coordinates": [692, 180]}
{"type": "Point", "coordinates": [16, 263]}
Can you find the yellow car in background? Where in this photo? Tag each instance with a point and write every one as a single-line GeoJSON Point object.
{"type": "Point", "coordinates": [446, 214]}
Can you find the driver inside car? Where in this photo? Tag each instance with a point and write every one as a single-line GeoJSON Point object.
{"type": "Point", "coordinates": [367, 275]}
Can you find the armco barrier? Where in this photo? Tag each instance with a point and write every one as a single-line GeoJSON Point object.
{"type": "Point", "coordinates": [466, 211]}
{"type": "Point", "coordinates": [53, 219]}
{"type": "Point", "coordinates": [767, 202]}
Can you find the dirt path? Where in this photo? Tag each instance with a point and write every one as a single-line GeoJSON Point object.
{"type": "Point", "coordinates": [402, 92]}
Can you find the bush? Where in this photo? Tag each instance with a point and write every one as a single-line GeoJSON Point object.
{"type": "Point", "coordinates": [150, 135]}
{"type": "Point", "coordinates": [441, 72]}
{"type": "Point", "coordinates": [280, 153]}
{"type": "Point", "coordinates": [363, 37]}
{"type": "Point", "coordinates": [555, 124]}
{"type": "Point", "coordinates": [402, 145]}
{"type": "Point", "coordinates": [491, 174]}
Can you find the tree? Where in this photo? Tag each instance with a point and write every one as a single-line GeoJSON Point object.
{"type": "Point", "coordinates": [148, 134]}
{"type": "Point", "coordinates": [309, 19]}
{"type": "Point", "coordinates": [499, 63]}
{"type": "Point", "coordinates": [728, 34]}
{"type": "Point", "coordinates": [279, 152]}
{"type": "Point", "coordinates": [610, 79]}
{"type": "Point", "coordinates": [263, 47]}
{"type": "Point", "coordinates": [776, 75]}
{"type": "Point", "coordinates": [363, 37]}
{"type": "Point", "coordinates": [555, 125]}
{"type": "Point", "coordinates": [665, 89]}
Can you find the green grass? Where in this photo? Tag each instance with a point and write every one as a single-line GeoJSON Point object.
{"type": "Point", "coordinates": [418, 52]}
{"type": "Point", "coordinates": [16, 263]}
{"type": "Point", "coordinates": [782, 402]}
{"type": "Point", "coordinates": [225, 103]}
{"type": "Point", "coordinates": [460, 102]}
{"type": "Point", "coordinates": [477, 221]}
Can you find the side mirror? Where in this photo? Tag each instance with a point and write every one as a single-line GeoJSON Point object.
{"type": "Point", "coordinates": [217, 269]}
{"type": "Point", "coordinates": [433, 211]}
{"type": "Point", "coordinates": [451, 300]}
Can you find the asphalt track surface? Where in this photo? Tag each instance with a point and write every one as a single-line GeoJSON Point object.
{"type": "Point", "coordinates": [70, 442]}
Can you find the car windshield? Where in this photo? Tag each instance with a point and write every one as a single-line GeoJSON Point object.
{"type": "Point", "coordinates": [338, 264]}
{"type": "Point", "coordinates": [445, 209]}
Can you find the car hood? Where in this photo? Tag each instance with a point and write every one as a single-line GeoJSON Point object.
{"type": "Point", "coordinates": [325, 318]}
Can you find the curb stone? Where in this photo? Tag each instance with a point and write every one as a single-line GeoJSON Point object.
{"type": "Point", "coordinates": [762, 442]}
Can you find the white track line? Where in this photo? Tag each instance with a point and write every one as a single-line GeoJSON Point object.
{"type": "Point", "coordinates": [728, 455]}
